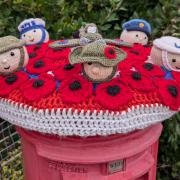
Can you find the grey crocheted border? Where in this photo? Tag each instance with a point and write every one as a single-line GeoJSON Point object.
{"type": "Point", "coordinates": [66, 122]}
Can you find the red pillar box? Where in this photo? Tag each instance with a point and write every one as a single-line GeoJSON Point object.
{"type": "Point", "coordinates": [131, 156]}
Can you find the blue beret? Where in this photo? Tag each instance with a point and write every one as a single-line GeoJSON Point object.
{"type": "Point", "coordinates": [137, 25]}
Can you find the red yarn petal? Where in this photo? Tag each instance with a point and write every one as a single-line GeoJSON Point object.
{"type": "Point", "coordinates": [37, 66]}
{"type": "Point", "coordinates": [58, 54]}
{"type": "Point", "coordinates": [7, 84]}
{"type": "Point", "coordinates": [75, 89]}
{"type": "Point", "coordinates": [32, 93]}
{"type": "Point", "coordinates": [149, 69]}
{"type": "Point", "coordinates": [137, 52]}
{"type": "Point", "coordinates": [176, 76]}
{"type": "Point", "coordinates": [110, 52]}
{"type": "Point", "coordinates": [144, 84]}
{"type": "Point", "coordinates": [108, 95]}
{"type": "Point", "coordinates": [169, 99]}
{"type": "Point", "coordinates": [66, 70]}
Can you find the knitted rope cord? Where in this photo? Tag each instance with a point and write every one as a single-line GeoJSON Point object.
{"type": "Point", "coordinates": [59, 100]}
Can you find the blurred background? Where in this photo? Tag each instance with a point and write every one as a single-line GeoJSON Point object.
{"type": "Point", "coordinates": [63, 17]}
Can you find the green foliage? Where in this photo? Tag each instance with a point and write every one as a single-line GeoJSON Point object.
{"type": "Point", "coordinates": [169, 151]}
{"type": "Point", "coordinates": [12, 167]}
{"type": "Point", "coordinates": [64, 17]}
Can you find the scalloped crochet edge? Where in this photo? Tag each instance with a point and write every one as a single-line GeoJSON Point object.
{"type": "Point", "coordinates": [68, 122]}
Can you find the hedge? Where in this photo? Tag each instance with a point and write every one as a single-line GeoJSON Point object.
{"type": "Point", "coordinates": [64, 17]}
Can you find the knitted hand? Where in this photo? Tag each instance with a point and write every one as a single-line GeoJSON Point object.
{"type": "Point", "coordinates": [13, 55]}
{"type": "Point", "coordinates": [33, 31]}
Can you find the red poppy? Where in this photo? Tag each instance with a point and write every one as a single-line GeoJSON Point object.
{"type": "Point", "coordinates": [169, 92]}
{"type": "Point", "coordinates": [35, 89]}
{"type": "Point", "coordinates": [137, 81]}
{"type": "Point", "coordinates": [113, 94]}
{"type": "Point", "coordinates": [58, 54]}
{"type": "Point", "coordinates": [37, 51]}
{"type": "Point", "coordinates": [176, 76]}
{"type": "Point", "coordinates": [110, 52]}
{"type": "Point", "coordinates": [127, 64]}
{"type": "Point", "coordinates": [11, 82]}
{"type": "Point", "coordinates": [66, 70]}
{"type": "Point", "coordinates": [75, 89]}
{"type": "Point", "coordinates": [149, 69]}
{"type": "Point", "coordinates": [37, 66]}
{"type": "Point", "coordinates": [137, 52]}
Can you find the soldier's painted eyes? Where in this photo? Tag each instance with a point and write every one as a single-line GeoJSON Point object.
{"type": "Point", "coordinates": [24, 35]}
{"type": "Point", "coordinates": [12, 53]}
{"type": "Point", "coordinates": [145, 37]}
{"type": "Point", "coordinates": [34, 31]}
{"type": "Point", "coordinates": [137, 35]}
{"type": "Point", "coordinates": [173, 60]}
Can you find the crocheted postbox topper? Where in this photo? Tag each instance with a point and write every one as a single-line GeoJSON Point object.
{"type": "Point", "coordinates": [33, 31]}
{"type": "Point", "coordinates": [69, 92]}
{"type": "Point", "coordinates": [13, 55]}
{"type": "Point", "coordinates": [136, 31]}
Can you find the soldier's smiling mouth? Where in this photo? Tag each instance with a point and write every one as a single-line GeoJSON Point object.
{"type": "Point", "coordinates": [177, 67]}
{"type": "Point", "coordinates": [6, 68]}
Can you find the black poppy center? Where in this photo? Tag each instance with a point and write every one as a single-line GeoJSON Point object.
{"type": "Point", "coordinates": [38, 46]}
{"type": "Point", "coordinates": [113, 90]}
{"type": "Point", "coordinates": [75, 85]}
{"type": "Point", "coordinates": [136, 76]}
{"type": "Point", "coordinates": [173, 91]}
{"type": "Point", "coordinates": [38, 83]}
{"type": "Point", "coordinates": [11, 79]}
{"type": "Point", "coordinates": [38, 64]}
{"type": "Point", "coordinates": [148, 66]}
{"type": "Point", "coordinates": [134, 52]}
{"type": "Point", "coordinates": [111, 51]}
{"type": "Point", "coordinates": [31, 55]}
{"type": "Point", "coordinates": [68, 67]}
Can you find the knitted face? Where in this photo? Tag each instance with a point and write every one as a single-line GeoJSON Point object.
{"type": "Point", "coordinates": [174, 61]}
{"type": "Point", "coordinates": [35, 36]}
{"type": "Point", "coordinates": [13, 60]}
{"type": "Point", "coordinates": [170, 59]}
{"type": "Point", "coordinates": [96, 72]}
{"type": "Point", "coordinates": [92, 29]}
{"type": "Point", "coordinates": [134, 37]}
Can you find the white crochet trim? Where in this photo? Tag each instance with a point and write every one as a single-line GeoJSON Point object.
{"type": "Point", "coordinates": [67, 122]}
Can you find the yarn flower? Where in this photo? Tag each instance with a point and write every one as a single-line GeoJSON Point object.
{"type": "Point", "coordinates": [66, 70]}
{"type": "Point", "coordinates": [110, 53]}
{"type": "Point", "coordinates": [58, 54]}
{"type": "Point", "coordinates": [11, 82]}
{"type": "Point", "coordinates": [113, 94]}
{"type": "Point", "coordinates": [149, 69]}
{"type": "Point", "coordinates": [38, 66]}
{"type": "Point", "coordinates": [75, 89]}
{"type": "Point", "coordinates": [137, 81]}
{"type": "Point", "coordinates": [176, 76]}
{"type": "Point", "coordinates": [35, 89]}
{"type": "Point", "coordinates": [169, 93]}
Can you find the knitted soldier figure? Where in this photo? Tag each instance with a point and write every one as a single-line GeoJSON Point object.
{"type": "Point", "coordinates": [13, 55]}
{"type": "Point", "coordinates": [33, 31]}
{"type": "Point", "coordinates": [136, 31]}
{"type": "Point", "coordinates": [166, 53]}
{"type": "Point", "coordinates": [87, 34]}
{"type": "Point", "coordinates": [99, 61]}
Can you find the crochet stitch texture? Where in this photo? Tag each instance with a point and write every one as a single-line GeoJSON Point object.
{"type": "Point", "coordinates": [137, 97]}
